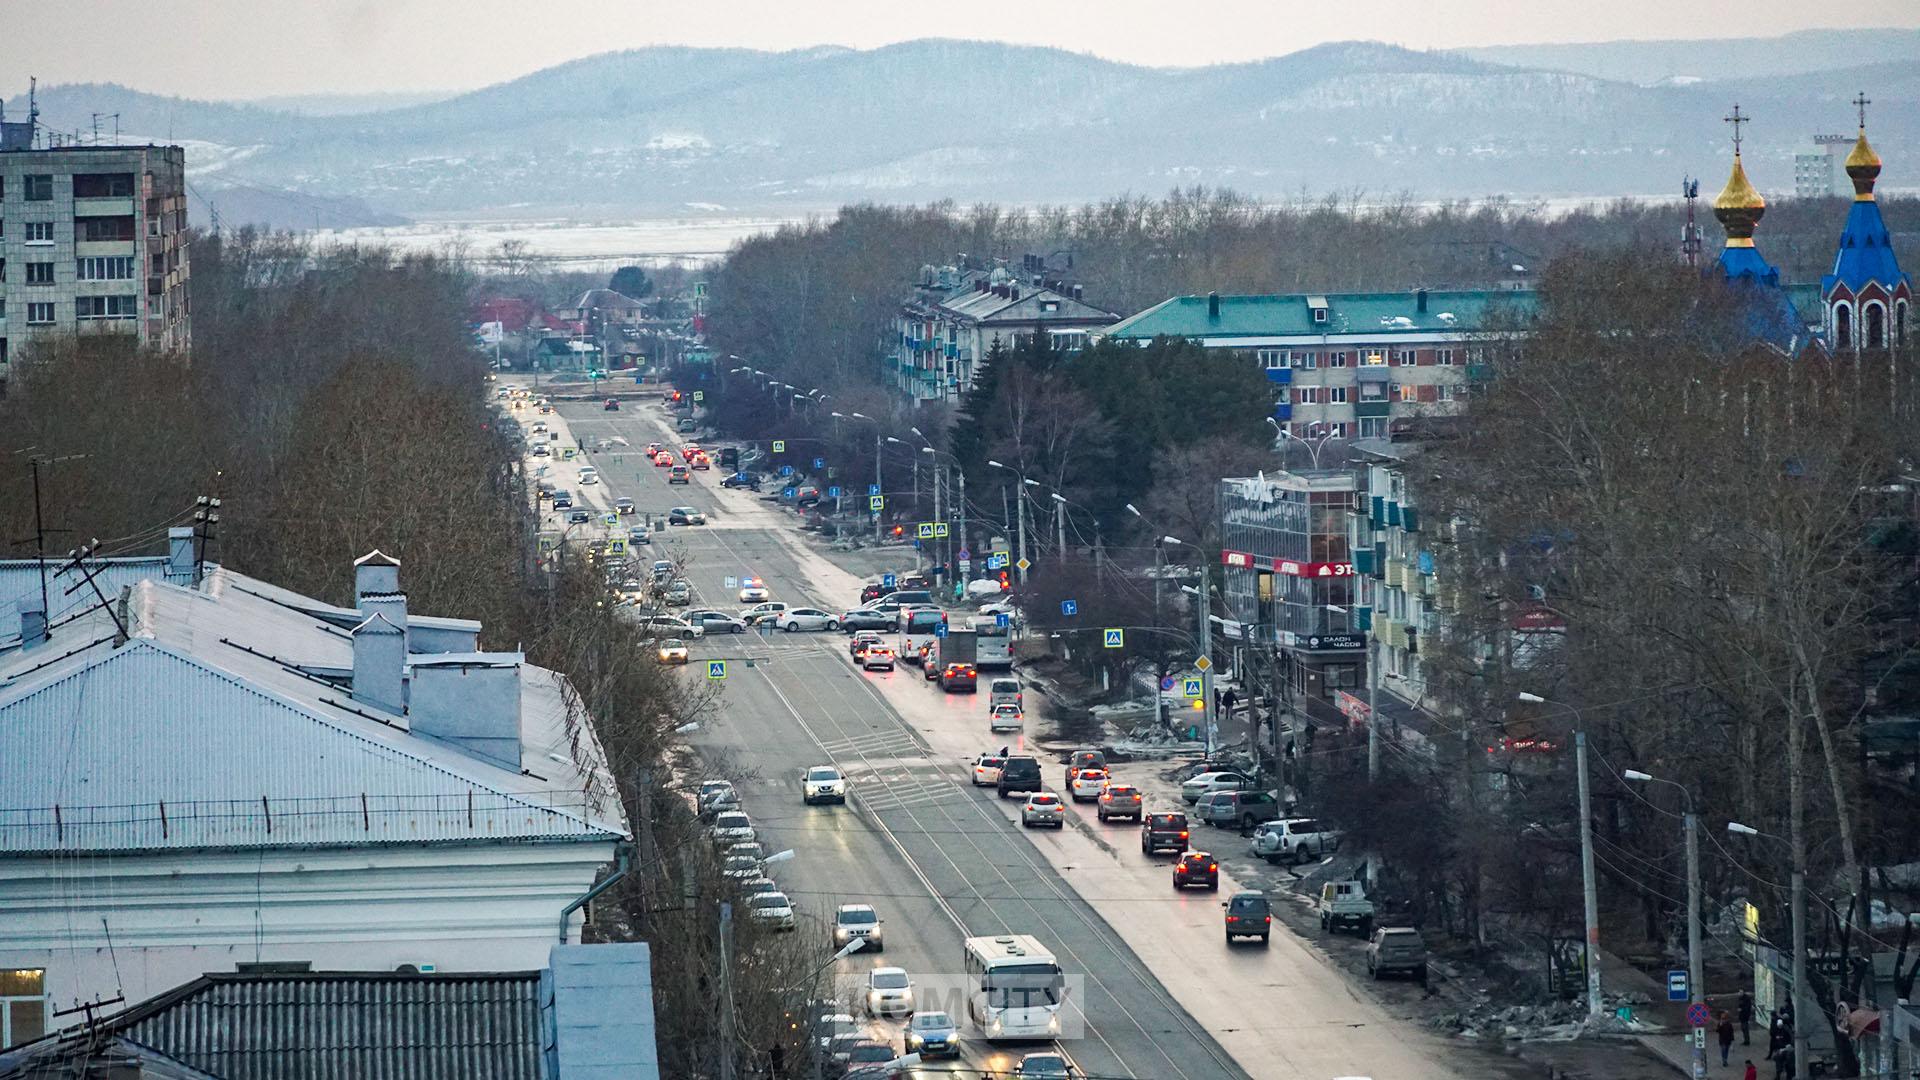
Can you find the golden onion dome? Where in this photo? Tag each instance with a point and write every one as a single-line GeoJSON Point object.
{"type": "Point", "coordinates": [1863, 168]}
{"type": "Point", "coordinates": [1739, 207]}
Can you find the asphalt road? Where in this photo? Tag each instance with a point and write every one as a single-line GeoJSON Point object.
{"type": "Point", "coordinates": [936, 857]}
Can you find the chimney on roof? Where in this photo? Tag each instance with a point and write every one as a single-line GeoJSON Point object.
{"type": "Point", "coordinates": [180, 558]}
{"type": "Point", "coordinates": [375, 572]}
{"type": "Point", "coordinates": [1420, 301]}
{"type": "Point", "coordinates": [33, 621]}
{"type": "Point", "coordinates": [380, 663]}
{"type": "Point", "coordinates": [1213, 306]}
{"type": "Point", "coordinates": [1079, 293]}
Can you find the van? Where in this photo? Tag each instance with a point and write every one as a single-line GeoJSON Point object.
{"type": "Point", "coordinates": [1005, 691]}
{"type": "Point", "coordinates": [1249, 915]}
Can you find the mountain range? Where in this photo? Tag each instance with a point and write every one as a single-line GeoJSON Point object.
{"type": "Point", "coordinates": [654, 131]}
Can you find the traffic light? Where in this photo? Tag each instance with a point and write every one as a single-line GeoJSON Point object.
{"type": "Point", "coordinates": [1199, 704]}
{"type": "Point", "coordinates": [899, 530]}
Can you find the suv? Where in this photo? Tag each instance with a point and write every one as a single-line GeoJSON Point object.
{"type": "Point", "coordinates": [1119, 800]}
{"type": "Point", "coordinates": [956, 678]}
{"type": "Point", "coordinates": [823, 783]}
{"type": "Point", "coordinates": [1018, 774]}
{"type": "Point", "coordinates": [1397, 948]}
{"type": "Point", "coordinates": [1196, 868]}
{"type": "Point", "coordinates": [1293, 840]}
{"type": "Point", "coordinates": [1084, 759]}
{"type": "Point", "coordinates": [1163, 832]}
{"type": "Point", "coordinates": [1248, 915]}
{"type": "Point", "coordinates": [1345, 903]}
{"type": "Point", "coordinates": [1238, 809]}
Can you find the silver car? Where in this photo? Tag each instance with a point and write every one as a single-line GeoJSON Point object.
{"type": "Point", "coordinates": [732, 827]}
{"type": "Point", "coordinates": [807, 619]}
{"type": "Point", "coordinates": [773, 909]}
{"type": "Point", "coordinates": [1043, 808]}
{"type": "Point", "coordinates": [1207, 783]}
{"type": "Point", "coordinates": [716, 622]}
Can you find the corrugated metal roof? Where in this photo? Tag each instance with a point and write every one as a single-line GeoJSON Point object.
{"type": "Point", "coordinates": [323, 1026]}
{"type": "Point", "coordinates": [1350, 314]}
{"type": "Point", "coordinates": [67, 591]}
{"type": "Point", "coordinates": [207, 730]}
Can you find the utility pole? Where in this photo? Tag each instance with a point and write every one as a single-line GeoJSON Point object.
{"type": "Point", "coordinates": [879, 442]}
{"type": "Point", "coordinates": [40, 541]}
{"type": "Point", "coordinates": [1020, 510]}
{"type": "Point", "coordinates": [963, 515]}
{"type": "Point", "coordinates": [1589, 894]}
{"type": "Point", "coordinates": [726, 991]}
{"type": "Point", "coordinates": [934, 555]}
{"type": "Point", "coordinates": [1060, 529]}
{"type": "Point", "coordinates": [1797, 903]}
{"type": "Point", "coordinates": [1695, 980]}
{"type": "Point", "coordinates": [1373, 707]}
{"type": "Point", "coordinates": [1206, 650]}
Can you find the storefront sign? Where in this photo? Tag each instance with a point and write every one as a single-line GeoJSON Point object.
{"type": "Point", "coordinates": [1332, 642]}
{"type": "Point", "coordinates": [1537, 620]}
{"type": "Point", "coordinates": [1355, 709]}
{"type": "Point", "coordinates": [1313, 569]}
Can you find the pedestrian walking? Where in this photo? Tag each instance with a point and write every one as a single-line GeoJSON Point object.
{"type": "Point", "coordinates": [1746, 1018]}
{"type": "Point", "coordinates": [1725, 1030]}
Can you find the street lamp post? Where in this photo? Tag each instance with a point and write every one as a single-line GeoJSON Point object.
{"type": "Point", "coordinates": [1797, 912]}
{"type": "Point", "coordinates": [1590, 895]}
{"type": "Point", "coordinates": [1690, 824]}
{"type": "Point", "coordinates": [1020, 512]}
{"type": "Point", "coordinates": [1205, 599]}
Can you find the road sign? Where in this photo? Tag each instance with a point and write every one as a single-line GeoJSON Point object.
{"type": "Point", "coordinates": [966, 566]}
{"type": "Point", "coordinates": [1190, 687]}
{"type": "Point", "coordinates": [1024, 565]}
{"type": "Point", "coordinates": [1203, 663]}
{"type": "Point", "coordinates": [788, 492]}
{"type": "Point", "coordinates": [819, 463]}
{"type": "Point", "coordinates": [699, 395]}
{"type": "Point", "coordinates": [940, 631]}
{"type": "Point", "coordinates": [875, 502]}
{"type": "Point", "coordinates": [1677, 985]}
{"type": "Point", "coordinates": [940, 529]}
{"type": "Point", "coordinates": [1069, 607]}
{"type": "Point", "coordinates": [1699, 1043]}
{"type": "Point", "coordinates": [733, 583]}
{"type": "Point", "coordinates": [888, 581]}
{"type": "Point", "coordinates": [716, 669]}
{"type": "Point", "coordinates": [610, 519]}
{"type": "Point", "coordinates": [1166, 682]}
{"type": "Point", "coordinates": [963, 554]}
{"type": "Point", "coordinates": [833, 492]}
{"type": "Point", "coordinates": [873, 489]}
{"type": "Point", "coordinates": [786, 470]}
{"type": "Point", "coordinates": [1001, 620]}
{"type": "Point", "coordinates": [924, 530]}
{"type": "Point", "coordinates": [1114, 637]}
{"type": "Point", "coordinates": [997, 560]}
{"type": "Point", "coordinates": [1698, 1014]}
{"type": "Point", "coordinates": [779, 446]}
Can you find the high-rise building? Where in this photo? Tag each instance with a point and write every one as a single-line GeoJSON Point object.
{"type": "Point", "coordinates": [92, 239]}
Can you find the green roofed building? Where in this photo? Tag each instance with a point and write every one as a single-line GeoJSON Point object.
{"type": "Point", "coordinates": [1345, 364]}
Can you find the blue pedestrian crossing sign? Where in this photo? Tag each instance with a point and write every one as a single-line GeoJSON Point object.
{"type": "Point", "coordinates": [716, 669]}
{"type": "Point", "coordinates": [1114, 637]}
{"type": "Point", "coordinates": [1069, 607]}
{"type": "Point", "coordinates": [997, 561]}
{"type": "Point", "coordinates": [888, 581]}
{"type": "Point", "coordinates": [779, 446]}
{"type": "Point", "coordinates": [924, 530]}
{"type": "Point", "coordinates": [833, 493]}
{"type": "Point", "coordinates": [1190, 687]}
{"type": "Point", "coordinates": [873, 489]}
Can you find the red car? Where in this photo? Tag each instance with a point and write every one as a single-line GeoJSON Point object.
{"type": "Point", "coordinates": [612, 405]}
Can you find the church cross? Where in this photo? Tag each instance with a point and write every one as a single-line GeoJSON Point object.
{"type": "Point", "coordinates": [1736, 120]}
{"type": "Point", "coordinates": [1861, 101]}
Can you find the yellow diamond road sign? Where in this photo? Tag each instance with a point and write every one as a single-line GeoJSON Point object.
{"type": "Point", "coordinates": [1024, 565]}
{"type": "Point", "coordinates": [1203, 663]}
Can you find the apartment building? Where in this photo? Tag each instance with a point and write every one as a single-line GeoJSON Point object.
{"type": "Point", "coordinates": [1345, 365]}
{"type": "Point", "coordinates": [956, 315]}
{"type": "Point", "coordinates": [92, 239]}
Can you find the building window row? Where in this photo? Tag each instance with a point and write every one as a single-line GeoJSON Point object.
{"type": "Point", "coordinates": [106, 268]}
{"type": "Point", "coordinates": [106, 307]}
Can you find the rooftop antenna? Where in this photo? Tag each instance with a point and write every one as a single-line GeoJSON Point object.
{"type": "Point", "coordinates": [1690, 241]}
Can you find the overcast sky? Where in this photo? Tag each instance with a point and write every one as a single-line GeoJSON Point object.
{"type": "Point", "coordinates": [258, 48]}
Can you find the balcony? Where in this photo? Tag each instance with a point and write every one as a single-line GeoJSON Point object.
{"type": "Point", "coordinates": [1373, 373]}
{"type": "Point", "coordinates": [1410, 519]}
{"type": "Point", "coordinates": [1283, 411]}
{"type": "Point", "coordinates": [1390, 632]}
{"type": "Point", "coordinates": [1364, 409]}
{"type": "Point", "coordinates": [102, 208]}
{"type": "Point", "coordinates": [1363, 560]}
{"type": "Point", "coordinates": [1479, 373]}
{"type": "Point", "coordinates": [1377, 512]}
{"type": "Point", "coordinates": [1395, 576]}
{"type": "Point", "coordinates": [1280, 376]}
{"type": "Point", "coordinates": [1393, 514]}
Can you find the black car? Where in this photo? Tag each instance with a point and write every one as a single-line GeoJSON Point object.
{"type": "Point", "coordinates": [740, 480]}
{"type": "Point", "coordinates": [872, 591]}
{"type": "Point", "coordinates": [578, 517]}
{"type": "Point", "coordinates": [1249, 915]}
{"type": "Point", "coordinates": [1019, 774]}
{"type": "Point", "coordinates": [1163, 832]}
{"type": "Point", "coordinates": [1196, 868]}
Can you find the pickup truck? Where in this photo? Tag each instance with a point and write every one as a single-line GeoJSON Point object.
{"type": "Point", "coordinates": [1345, 903]}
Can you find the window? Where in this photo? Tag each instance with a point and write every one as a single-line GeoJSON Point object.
{"type": "Point", "coordinates": [1337, 395]}
{"type": "Point", "coordinates": [103, 185]}
{"type": "Point", "coordinates": [1305, 361]}
{"type": "Point", "coordinates": [39, 233]}
{"type": "Point", "coordinates": [1445, 392]}
{"type": "Point", "coordinates": [105, 268]}
{"type": "Point", "coordinates": [39, 314]}
{"type": "Point", "coordinates": [1407, 392]}
{"type": "Point", "coordinates": [1373, 427]}
{"type": "Point", "coordinates": [1373, 392]}
{"type": "Point", "coordinates": [1876, 326]}
{"type": "Point", "coordinates": [1337, 359]}
{"type": "Point", "coordinates": [1842, 326]}
{"type": "Point", "coordinates": [40, 273]}
{"type": "Point", "coordinates": [1443, 357]}
{"type": "Point", "coordinates": [1339, 430]}
{"type": "Point", "coordinates": [1404, 357]}
{"type": "Point", "coordinates": [96, 229]}
{"type": "Point", "coordinates": [1272, 359]}
{"type": "Point", "coordinates": [106, 307]}
{"type": "Point", "coordinates": [39, 188]}
{"type": "Point", "coordinates": [23, 1005]}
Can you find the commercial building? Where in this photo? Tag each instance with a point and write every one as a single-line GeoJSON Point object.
{"type": "Point", "coordinates": [92, 239]}
{"type": "Point", "coordinates": [957, 315]}
{"type": "Point", "coordinates": [202, 772]}
{"type": "Point", "coordinates": [1344, 365]}
{"type": "Point", "coordinates": [1288, 579]}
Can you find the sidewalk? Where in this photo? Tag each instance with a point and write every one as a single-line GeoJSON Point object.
{"type": "Point", "coordinates": [1673, 1044]}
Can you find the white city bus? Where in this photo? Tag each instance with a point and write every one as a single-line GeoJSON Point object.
{"type": "Point", "coordinates": [1015, 988]}
{"type": "Point", "coordinates": [994, 648]}
{"type": "Point", "coordinates": [918, 628]}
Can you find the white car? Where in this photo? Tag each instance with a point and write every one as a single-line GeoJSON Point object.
{"type": "Point", "coordinates": [753, 591]}
{"type": "Point", "coordinates": [806, 618]}
{"type": "Point", "coordinates": [668, 626]}
{"type": "Point", "coordinates": [889, 992]}
{"type": "Point", "coordinates": [823, 783]}
{"type": "Point", "coordinates": [1293, 840]}
{"type": "Point", "coordinates": [741, 867]}
{"type": "Point", "coordinates": [1087, 784]}
{"type": "Point", "coordinates": [1042, 808]}
{"type": "Point", "coordinates": [732, 826]}
{"type": "Point", "coordinates": [771, 908]}
{"type": "Point", "coordinates": [1208, 783]}
{"type": "Point", "coordinates": [1006, 716]}
{"type": "Point", "coordinates": [589, 475]}
{"type": "Point", "coordinates": [986, 769]}
{"type": "Point", "coordinates": [857, 921]}
{"type": "Point", "coordinates": [758, 612]}
{"type": "Point", "coordinates": [712, 791]}
{"type": "Point", "coordinates": [831, 1025]}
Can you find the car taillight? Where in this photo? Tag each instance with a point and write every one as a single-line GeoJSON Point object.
{"type": "Point", "coordinates": [1183, 834]}
{"type": "Point", "coordinates": [1233, 918]}
{"type": "Point", "coordinates": [1266, 918]}
{"type": "Point", "coordinates": [1213, 866]}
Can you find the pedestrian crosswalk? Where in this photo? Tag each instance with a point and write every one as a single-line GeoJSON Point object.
{"type": "Point", "coordinates": [902, 787]}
